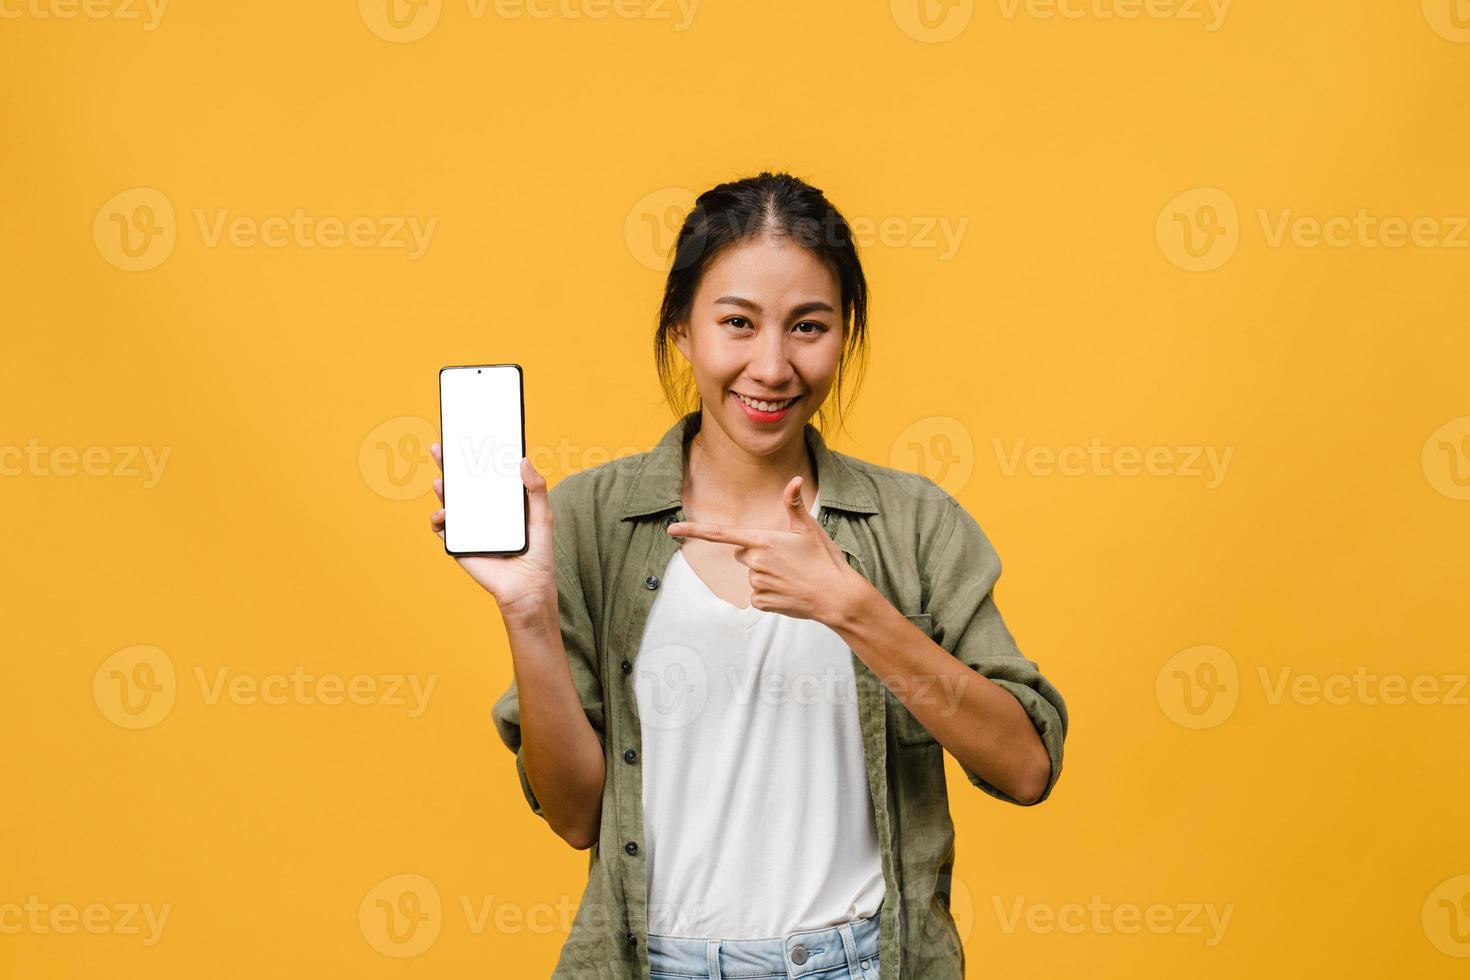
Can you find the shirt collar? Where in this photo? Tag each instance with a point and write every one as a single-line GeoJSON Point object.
{"type": "Point", "coordinates": [660, 475]}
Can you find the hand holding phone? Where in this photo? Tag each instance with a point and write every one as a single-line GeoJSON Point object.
{"type": "Point", "coordinates": [496, 519]}
{"type": "Point", "coordinates": [482, 426]}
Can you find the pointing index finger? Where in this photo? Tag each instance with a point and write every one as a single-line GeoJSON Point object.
{"type": "Point", "coordinates": [714, 532]}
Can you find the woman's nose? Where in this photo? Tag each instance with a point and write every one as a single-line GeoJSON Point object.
{"type": "Point", "coordinates": [771, 364]}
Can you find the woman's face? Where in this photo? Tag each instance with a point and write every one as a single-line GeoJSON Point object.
{"type": "Point", "coordinates": [766, 324]}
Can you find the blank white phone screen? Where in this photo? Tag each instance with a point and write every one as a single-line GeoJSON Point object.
{"type": "Point", "coordinates": [480, 437]}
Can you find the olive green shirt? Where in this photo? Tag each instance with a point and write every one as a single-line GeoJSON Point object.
{"type": "Point", "coordinates": [905, 535]}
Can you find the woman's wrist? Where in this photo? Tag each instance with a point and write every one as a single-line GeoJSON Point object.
{"type": "Point", "coordinates": [853, 602]}
{"type": "Point", "coordinates": [532, 611]}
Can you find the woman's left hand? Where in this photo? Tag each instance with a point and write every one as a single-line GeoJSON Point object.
{"type": "Point", "coordinates": [799, 572]}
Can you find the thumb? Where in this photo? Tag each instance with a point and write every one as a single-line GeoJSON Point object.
{"type": "Point", "coordinates": [799, 518]}
{"type": "Point", "coordinates": [540, 507]}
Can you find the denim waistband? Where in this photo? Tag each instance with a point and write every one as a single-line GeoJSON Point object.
{"type": "Point", "coordinates": [796, 954]}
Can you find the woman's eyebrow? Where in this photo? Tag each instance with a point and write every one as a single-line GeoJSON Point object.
{"type": "Point", "coordinates": [801, 309]}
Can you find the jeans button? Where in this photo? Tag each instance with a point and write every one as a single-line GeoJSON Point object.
{"type": "Point", "coordinates": [798, 955]}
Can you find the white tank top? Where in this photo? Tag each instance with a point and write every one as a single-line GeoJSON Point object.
{"type": "Point", "coordinates": [757, 815]}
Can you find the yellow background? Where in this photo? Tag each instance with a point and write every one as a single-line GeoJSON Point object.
{"type": "Point", "coordinates": [294, 389]}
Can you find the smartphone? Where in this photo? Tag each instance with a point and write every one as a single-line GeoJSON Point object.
{"type": "Point", "coordinates": [482, 437]}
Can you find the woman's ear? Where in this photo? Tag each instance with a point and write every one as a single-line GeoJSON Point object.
{"type": "Point", "coordinates": [680, 333]}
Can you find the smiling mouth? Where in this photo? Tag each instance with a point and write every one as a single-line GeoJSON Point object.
{"type": "Point", "coordinates": [763, 405]}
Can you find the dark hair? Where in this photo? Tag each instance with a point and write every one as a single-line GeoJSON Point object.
{"type": "Point", "coordinates": [733, 212]}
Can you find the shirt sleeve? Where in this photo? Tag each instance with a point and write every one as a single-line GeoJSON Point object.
{"type": "Point", "coordinates": [580, 641]}
{"type": "Point", "coordinates": [962, 576]}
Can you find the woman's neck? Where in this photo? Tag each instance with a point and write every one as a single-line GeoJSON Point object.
{"type": "Point", "coordinates": [724, 483]}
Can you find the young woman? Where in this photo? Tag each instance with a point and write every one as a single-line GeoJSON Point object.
{"type": "Point", "coordinates": [740, 656]}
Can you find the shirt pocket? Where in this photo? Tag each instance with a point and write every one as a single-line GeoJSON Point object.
{"type": "Point", "coordinates": [908, 731]}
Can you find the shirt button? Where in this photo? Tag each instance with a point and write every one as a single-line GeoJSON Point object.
{"type": "Point", "coordinates": [627, 667]}
{"type": "Point", "coordinates": [651, 582]}
{"type": "Point", "coordinates": [630, 756]}
{"type": "Point", "coordinates": [798, 955]}
{"type": "Point", "coordinates": [632, 939]}
{"type": "Point", "coordinates": [631, 847]}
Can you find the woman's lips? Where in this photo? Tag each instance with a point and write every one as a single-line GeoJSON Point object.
{"type": "Point", "coordinates": [765, 418]}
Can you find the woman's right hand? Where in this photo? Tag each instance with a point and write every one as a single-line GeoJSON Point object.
{"type": "Point", "coordinates": [521, 584]}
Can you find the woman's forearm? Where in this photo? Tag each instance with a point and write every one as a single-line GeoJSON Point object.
{"type": "Point", "coordinates": [561, 749]}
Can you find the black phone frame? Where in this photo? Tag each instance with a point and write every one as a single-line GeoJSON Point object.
{"type": "Point", "coordinates": [525, 494]}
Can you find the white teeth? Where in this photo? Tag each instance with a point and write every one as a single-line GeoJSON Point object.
{"type": "Point", "coordinates": [765, 406]}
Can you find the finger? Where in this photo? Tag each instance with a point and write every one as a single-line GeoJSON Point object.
{"type": "Point", "coordinates": [437, 454]}
{"type": "Point", "coordinates": [717, 533]}
{"type": "Point", "coordinates": [436, 521]}
{"type": "Point", "coordinates": [539, 502]}
{"type": "Point", "coordinates": [799, 518]}
{"type": "Point", "coordinates": [439, 489]}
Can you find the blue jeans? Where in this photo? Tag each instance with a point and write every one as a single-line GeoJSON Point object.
{"type": "Point", "coordinates": [848, 951]}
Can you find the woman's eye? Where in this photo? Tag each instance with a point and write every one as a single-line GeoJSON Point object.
{"type": "Point", "coordinates": [740, 322]}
